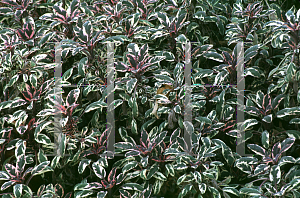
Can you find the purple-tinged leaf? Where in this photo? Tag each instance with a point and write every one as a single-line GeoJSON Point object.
{"type": "Point", "coordinates": [7, 185]}
{"type": "Point", "coordinates": [180, 20]}
{"type": "Point", "coordinates": [20, 164]}
{"type": "Point", "coordinates": [11, 170]}
{"type": "Point", "coordinates": [95, 185]}
{"type": "Point", "coordinates": [40, 190]}
{"type": "Point", "coordinates": [59, 11]}
{"type": "Point", "coordinates": [276, 150]}
{"type": "Point", "coordinates": [112, 175]}
{"type": "Point", "coordinates": [266, 105]}
{"type": "Point", "coordinates": [122, 67]}
{"type": "Point", "coordinates": [22, 129]}
{"type": "Point", "coordinates": [68, 195]}
{"type": "Point", "coordinates": [228, 59]}
{"type": "Point", "coordinates": [276, 101]}
{"type": "Point", "coordinates": [11, 3]}
{"type": "Point", "coordinates": [59, 190]}
{"type": "Point", "coordinates": [29, 30]}
{"type": "Point", "coordinates": [132, 60]}
{"type": "Point", "coordinates": [109, 9]}
{"type": "Point", "coordinates": [25, 4]}
{"type": "Point", "coordinates": [27, 171]}
{"type": "Point", "coordinates": [145, 139]}
{"type": "Point", "coordinates": [71, 10]}
{"type": "Point", "coordinates": [105, 184]}
{"type": "Point", "coordinates": [286, 144]}
{"type": "Point", "coordinates": [200, 50]}
{"type": "Point", "coordinates": [173, 136]}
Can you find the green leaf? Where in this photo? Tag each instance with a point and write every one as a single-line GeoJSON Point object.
{"type": "Point", "coordinates": [81, 66]}
{"type": "Point", "coordinates": [250, 191]}
{"type": "Point", "coordinates": [46, 38]}
{"type": "Point", "coordinates": [232, 191]}
{"type": "Point", "coordinates": [181, 39]}
{"type": "Point", "coordinates": [99, 170]}
{"type": "Point", "coordinates": [267, 118]}
{"type": "Point", "coordinates": [214, 56]}
{"type": "Point", "coordinates": [275, 174]}
{"type": "Point", "coordinates": [164, 79]}
{"type": "Point", "coordinates": [170, 169]}
{"type": "Point", "coordinates": [95, 105]}
{"type": "Point", "coordinates": [41, 156]}
{"type": "Point", "coordinates": [252, 72]}
{"type": "Point", "coordinates": [41, 168]}
{"type": "Point", "coordinates": [244, 164]}
{"type": "Point", "coordinates": [130, 85]}
{"type": "Point", "coordinates": [83, 164]}
{"type": "Point", "coordinates": [133, 186]}
{"type": "Point", "coordinates": [67, 74]}
{"type": "Point", "coordinates": [250, 122]}
{"type": "Point", "coordinates": [13, 80]}
{"type": "Point", "coordinates": [101, 194]}
{"type": "Point", "coordinates": [55, 162]}
{"type": "Point", "coordinates": [17, 189]}
{"type": "Point", "coordinates": [265, 139]}
{"type": "Point", "coordinates": [134, 126]}
{"type": "Point", "coordinates": [291, 71]}
{"type": "Point", "coordinates": [200, 15]}
{"type": "Point", "coordinates": [257, 149]}
{"type": "Point", "coordinates": [129, 166]}
{"type": "Point", "coordinates": [160, 176]}
{"type": "Point", "coordinates": [114, 104]}
{"type": "Point", "coordinates": [188, 126]}
{"type": "Point", "coordinates": [181, 179]}
{"type": "Point", "coordinates": [251, 52]}
{"type": "Point", "coordinates": [203, 120]}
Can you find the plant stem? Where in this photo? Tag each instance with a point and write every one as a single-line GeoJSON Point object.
{"type": "Point", "coordinates": [6, 194]}
{"type": "Point", "coordinates": [31, 176]}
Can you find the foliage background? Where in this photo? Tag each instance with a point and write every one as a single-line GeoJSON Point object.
{"type": "Point", "coordinates": [149, 53]}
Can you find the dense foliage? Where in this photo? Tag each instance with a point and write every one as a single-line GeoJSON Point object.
{"type": "Point", "coordinates": [151, 158]}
